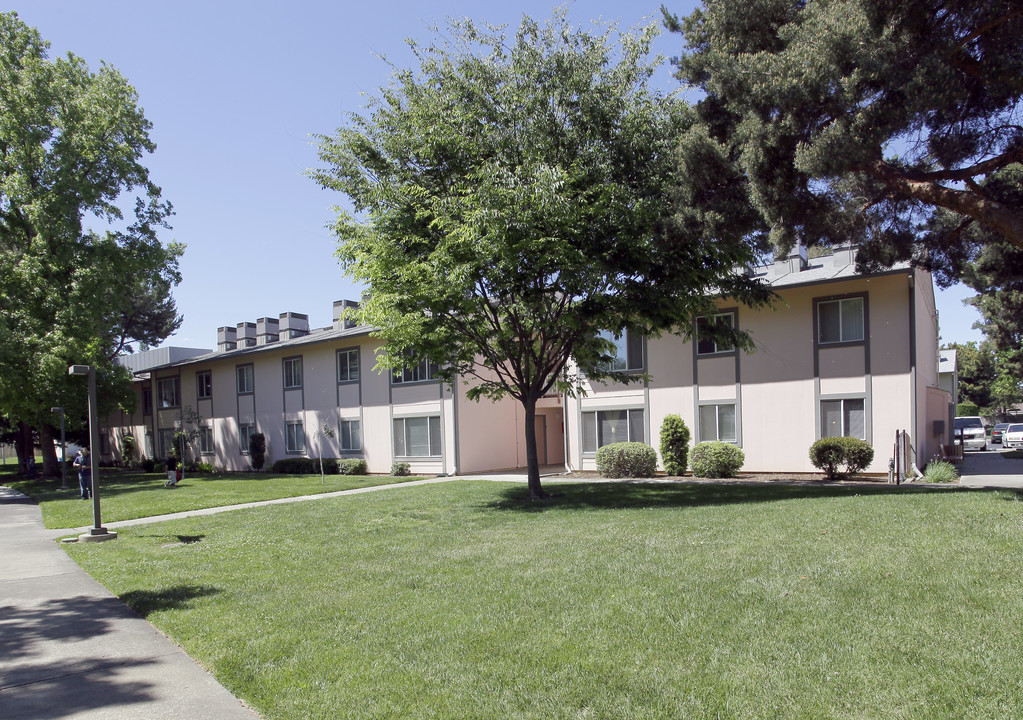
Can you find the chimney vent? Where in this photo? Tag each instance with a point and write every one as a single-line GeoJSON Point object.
{"type": "Point", "coordinates": [339, 307]}
{"type": "Point", "coordinates": [227, 339]}
{"type": "Point", "coordinates": [246, 334]}
{"type": "Point", "coordinates": [267, 330]}
{"type": "Point", "coordinates": [293, 325]}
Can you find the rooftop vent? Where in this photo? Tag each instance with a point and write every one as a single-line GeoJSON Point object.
{"type": "Point", "coordinates": [267, 330]}
{"type": "Point", "coordinates": [227, 339]}
{"type": "Point", "coordinates": [339, 307]}
{"type": "Point", "coordinates": [293, 325]}
{"type": "Point", "coordinates": [246, 334]}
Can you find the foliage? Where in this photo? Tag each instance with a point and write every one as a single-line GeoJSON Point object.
{"type": "Point", "coordinates": [400, 469]}
{"type": "Point", "coordinates": [129, 448]}
{"type": "Point", "coordinates": [626, 460]}
{"type": "Point", "coordinates": [148, 465]}
{"type": "Point", "coordinates": [513, 199]}
{"type": "Point", "coordinates": [988, 379]}
{"type": "Point", "coordinates": [717, 459]}
{"type": "Point", "coordinates": [940, 471]}
{"type": "Point", "coordinates": [354, 466]}
{"type": "Point", "coordinates": [72, 144]}
{"type": "Point", "coordinates": [257, 450]}
{"type": "Point", "coordinates": [204, 467]}
{"type": "Point", "coordinates": [159, 467]}
{"type": "Point", "coordinates": [674, 445]}
{"type": "Point", "coordinates": [967, 409]}
{"type": "Point", "coordinates": [831, 453]}
{"type": "Point", "coordinates": [878, 122]}
{"type": "Point", "coordinates": [293, 466]}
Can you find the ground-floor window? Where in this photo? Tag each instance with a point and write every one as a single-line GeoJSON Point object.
{"type": "Point", "coordinates": [351, 436]}
{"type": "Point", "coordinates": [206, 440]}
{"type": "Point", "coordinates": [417, 437]}
{"type": "Point", "coordinates": [294, 437]}
{"type": "Point", "coordinates": [717, 422]}
{"type": "Point", "coordinates": [245, 433]}
{"type": "Point", "coordinates": [164, 442]}
{"type": "Point", "coordinates": [843, 418]}
{"type": "Point", "coordinates": [604, 427]}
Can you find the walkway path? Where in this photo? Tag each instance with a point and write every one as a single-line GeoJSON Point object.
{"type": "Point", "coordinates": [987, 468]}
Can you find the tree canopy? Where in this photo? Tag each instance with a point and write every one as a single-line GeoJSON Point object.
{"type": "Point", "coordinates": [882, 122]}
{"type": "Point", "coordinates": [71, 149]}
{"type": "Point", "coordinates": [516, 197]}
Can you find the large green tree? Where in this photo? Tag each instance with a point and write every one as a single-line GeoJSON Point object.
{"type": "Point", "coordinates": [71, 149]}
{"type": "Point", "coordinates": [863, 120]}
{"type": "Point", "coordinates": [513, 198]}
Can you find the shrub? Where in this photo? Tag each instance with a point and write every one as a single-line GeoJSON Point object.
{"type": "Point", "coordinates": [674, 445]}
{"type": "Point", "coordinates": [351, 466]}
{"type": "Point", "coordinates": [939, 471]}
{"type": "Point", "coordinates": [626, 459]}
{"type": "Point", "coordinates": [159, 467]}
{"type": "Point", "coordinates": [717, 460]}
{"type": "Point", "coordinates": [967, 408]}
{"type": "Point", "coordinates": [148, 465]}
{"type": "Point", "coordinates": [204, 467]}
{"type": "Point", "coordinates": [257, 450]}
{"type": "Point", "coordinates": [294, 466]}
{"type": "Point", "coordinates": [400, 469]}
{"type": "Point", "coordinates": [830, 453]}
{"type": "Point", "coordinates": [128, 448]}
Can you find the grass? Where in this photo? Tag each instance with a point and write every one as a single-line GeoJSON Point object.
{"type": "Point", "coordinates": [126, 495]}
{"type": "Point", "coordinates": [609, 601]}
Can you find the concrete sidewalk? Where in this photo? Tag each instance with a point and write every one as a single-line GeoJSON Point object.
{"type": "Point", "coordinates": [70, 649]}
{"type": "Point", "coordinates": [988, 468]}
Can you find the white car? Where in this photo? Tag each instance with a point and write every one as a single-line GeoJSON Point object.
{"type": "Point", "coordinates": [1012, 437]}
{"type": "Point", "coordinates": [971, 429]}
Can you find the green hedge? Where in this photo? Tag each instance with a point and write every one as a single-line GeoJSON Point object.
{"type": "Point", "coordinates": [831, 453]}
{"type": "Point", "coordinates": [626, 459]}
{"type": "Point", "coordinates": [400, 469]}
{"type": "Point", "coordinates": [350, 466]}
{"type": "Point", "coordinates": [295, 466]}
{"type": "Point", "coordinates": [674, 445]}
{"type": "Point", "coordinates": [716, 460]}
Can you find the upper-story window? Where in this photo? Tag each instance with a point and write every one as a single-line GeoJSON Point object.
{"type": "Point", "coordinates": [706, 345]}
{"type": "Point", "coordinates": [245, 379]}
{"type": "Point", "coordinates": [840, 320]}
{"type": "Point", "coordinates": [168, 393]}
{"type": "Point", "coordinates": [415, 373]}
{"type": "Point", "coordinates": [147, 402]}
{"type": "Point", "coordinates": [292, 373]}
{"type": "Point", "coordinates": [348, 365]}
{"type": "Point", "coordinates": [204, 384]}
{"type": "Point", "coordinates": [628, 351]}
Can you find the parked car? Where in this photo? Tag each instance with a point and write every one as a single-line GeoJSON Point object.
{"type": "Point", "coordinates": [970, 429]}
{"type": "Point", "coordinates": [996, 432]}
{"type": "Point", "coordinates": [1012, 437]}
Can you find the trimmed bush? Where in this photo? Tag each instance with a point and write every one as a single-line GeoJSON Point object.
{"type": "Point", "coordinates": [967, 408]}
{"type": "Point", "coordinates": [295, 466]}
{"type": "Point", "coordinates": [674, 445]}
{"type": "Point", "coordinates": [717, 460]}
{"type": "Point", "coordinates": [159, 467]}
{"type": "Point", "coordinates": [939, 471]}
{"type": "Point", "coordinates": [831, 453]}
{"type": "Point", "coordinates": [351, 466]}
{"type": "Point", "coordinates": [626, 459]}
{"type": "Point", "coordinates": [148, 465]}
{"type": "Point", "coordinates": [257, 450]}
{"type": "Point", "coordinates": [400, 469]}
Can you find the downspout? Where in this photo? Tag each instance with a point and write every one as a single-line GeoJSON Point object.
{"type": "Point", "coordinates": [914, 419]}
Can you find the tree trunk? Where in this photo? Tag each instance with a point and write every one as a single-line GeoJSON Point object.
{"type": "Point", "coordinates": [50, 467]}
{"type": "Point", "coordinates": [23, 446]}
{"type": "Point", "coordinates": [532, 460]}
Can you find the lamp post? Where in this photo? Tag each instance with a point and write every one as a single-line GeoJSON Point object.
{"type": "Point", "coordinates": [63, 449]}
{"type": "Point", "coordinates": [97, 532]}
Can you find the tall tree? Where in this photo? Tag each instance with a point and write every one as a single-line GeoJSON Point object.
{"type": "Point", "coordinates": [861, 119]}
{"type": "Point", "coordinates": [71, 145]}
{"type": "Point", "coordinates": [513, 200]}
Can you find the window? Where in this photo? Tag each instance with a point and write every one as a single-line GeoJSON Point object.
{"type": "Point", "coordinates": [164, 442]}
{"type": "Point", "coordinates": [245, 384]}
{"type": "Point", "coordinates": [147, 402]}
{"type": "Point", "coordinates": [348, 365]}
{"type": "Point", "coordinates": [611, 426]}
{"type": "Point", "coordinates": [292, 373]}
{"type": "Point", "coordinates": [206, 440]}
{"type": "Point", "coordinates": [628, 351]}
{"type": "Point", "coordinates": [294, 437]}
{"type": "Point", "coordinates": [843, 418]}
{"type": "Point", "coordinates": [706, 345]}
{"type": "Point", "coordinates": [245, 433]}
{"type": "Point", "coordinates": [417, 437]}
{"type": "Point", "coordinates": [168, 393]}
{"type": "Point", "coordinates": [840, 320]}
{"type": "Point", "coordinates": [417, 373]}
{"type": "Point", "coordinates": [351, 437]}
{"type": "Point", "coordinates": [717, 422]}
{"type": "Point", "coordinates": [204, 384]}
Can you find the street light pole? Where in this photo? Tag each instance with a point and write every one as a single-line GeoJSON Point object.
{"type": "Point", "coordinates": [97, 532]}
{"type": "Point", "coordinates": [63, 449]}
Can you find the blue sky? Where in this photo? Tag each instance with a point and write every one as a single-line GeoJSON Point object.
{"type": "Point", "coordinates": [235, 92]}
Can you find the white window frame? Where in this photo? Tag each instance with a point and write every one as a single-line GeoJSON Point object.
{"type": "Point", "coordinates": [592, 437]}
{"type": "Point", "coordinates": [165, 442]}
{"type": "Point", "coordinates": [350, 435]}
{"type": "Point", "coordinates": [715, 347]}
{"type": "Point", "coordinates": [292, 369]}
{"type": "Point", "coordinates": [245, 433]}
{"type": "Point", "coordinates": [351, 370]}
{"type": "Point", "coordinates": [206, 444]}
{"type": "Point", "coordinates": [294, 437]}
{"type": "Point", "coordinates": [204, 384]}
{"type": "Point", "coordinates": [631, 351]}
{"type": "Point", "coordinates": [842, 303]}
{"type": "Point", "coordinates": [247, 373]}
{"type": "Point", "coordinates": [844, 416]}
{"type": "Point", "coordinates": [401, 439]}
{"type": "Point", "coordinates": [175, 385]}
{"type": "Point", "coordinates": [717, 435]}
{"type": "Point", "coordinates": [422, 372]}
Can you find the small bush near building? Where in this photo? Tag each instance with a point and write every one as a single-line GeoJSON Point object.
{"type": "Point", "coordinates": [717, 460]}
{"type": "Point", "coordinates": [257, 450]}
{"type": "Point", "coordinates": [830, 454]}
{"type": "Point", "coordinates": [400, 469]}
{"type": "Point", "coordinates": [148, 465]}
{"type": "Point", "coordinates": [939, 471]}
{"type": "Point", "coordinates": [294, 466]}
{"type": "Point", "coordinates": [159, 467]}
{"type": "Point", "coordinates": [351, 466]}
{"type": "Point", "coordinates": [674, 445]}
{"type": "Point", "coordinates": [626, 459]}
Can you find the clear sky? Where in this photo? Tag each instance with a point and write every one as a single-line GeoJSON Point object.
{"type": "Point", "coordinates": [236, 90]}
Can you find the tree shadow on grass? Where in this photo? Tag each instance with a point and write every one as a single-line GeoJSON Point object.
{"type": "Point", "coordinates": [177, 597]}
{"type": "Point", "coordinates": [637, 495]}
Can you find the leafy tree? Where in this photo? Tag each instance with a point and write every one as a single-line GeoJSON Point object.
{"type": "Point", "coordinates": [976, 367]}
{"type": "Point", "coordinates": [513, 200]}
{"type": "Point", "coordinates": [880, 122]}
{"type": "Point", "coordinates": [71, 144]}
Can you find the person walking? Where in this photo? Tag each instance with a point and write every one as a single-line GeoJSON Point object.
{"type": "Point", "coordinates": [84, 465]}
{"type": "Point", "coordinates": [172, 470]}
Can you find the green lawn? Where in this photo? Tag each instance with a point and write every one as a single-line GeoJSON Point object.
{"type": "Point", "coordinates": [125, 496]}
{"type": "Point", "coordinates": [462, 600]}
